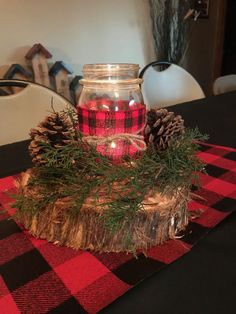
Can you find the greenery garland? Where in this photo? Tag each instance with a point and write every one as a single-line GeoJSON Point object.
{"type": "Point", "coordinates": [78, 171]}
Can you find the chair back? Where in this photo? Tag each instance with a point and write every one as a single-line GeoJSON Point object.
{"type": "Point", "coordinates": [224, 84]}
{"type": "Point", "coordinates": [24, 110]}
{"type": "Point", "coordinates": [168, 87]}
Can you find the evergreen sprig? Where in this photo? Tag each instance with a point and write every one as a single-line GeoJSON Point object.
{"type": "Point", "coordinates": [77, 170]}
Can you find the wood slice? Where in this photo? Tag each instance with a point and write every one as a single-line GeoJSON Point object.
{"type": "Point", "coordinates": [161, 219]}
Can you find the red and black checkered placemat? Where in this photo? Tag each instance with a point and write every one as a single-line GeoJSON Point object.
{"type": "Point", "coordinates": [39, 277]}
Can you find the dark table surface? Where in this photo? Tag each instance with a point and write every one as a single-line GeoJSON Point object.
{"type": "Point", "coordinates": [204, 280]}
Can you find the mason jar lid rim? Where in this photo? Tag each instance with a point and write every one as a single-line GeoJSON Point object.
{"type": "Point", "coordinates": [113, 82]}
{"type": "Point", "coordinates": [110, 66]}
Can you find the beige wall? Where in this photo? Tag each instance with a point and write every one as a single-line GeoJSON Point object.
{"type": "Point", "coordinates": [76, 31]}
{"type": "Point", "coordinates": [91, 31]}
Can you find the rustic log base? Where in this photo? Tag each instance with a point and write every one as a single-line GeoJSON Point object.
{"type": "Point", "coordinates": [163, 218]}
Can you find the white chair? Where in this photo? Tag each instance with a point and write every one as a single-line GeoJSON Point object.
{"type": "Point", "coordinates": [224, 84]}
{"type": "Point", "coordinates": [24, 110]}
{"type": "Point", "coordinates": [170, 86]}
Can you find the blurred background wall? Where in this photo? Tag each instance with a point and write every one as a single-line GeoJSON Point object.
{"type": "Point", "coordinates": [94, 31]}
{"type": "Point", "coordinates": [76, 31]}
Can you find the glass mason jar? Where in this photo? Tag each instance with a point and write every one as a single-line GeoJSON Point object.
{"type": "Point", "coordinates": [111, 112]}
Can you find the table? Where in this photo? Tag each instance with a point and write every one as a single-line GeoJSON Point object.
{"type": "Point", "coordinates": [204, 280]}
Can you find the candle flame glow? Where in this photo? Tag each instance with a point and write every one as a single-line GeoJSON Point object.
{"type": "Point", "coordinates": [113, 145]}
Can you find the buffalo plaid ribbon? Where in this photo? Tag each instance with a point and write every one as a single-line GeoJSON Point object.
{"type": "Point", "coordinates": [39, 277]}
{"type": "Point", "coordinates": [106, 123]}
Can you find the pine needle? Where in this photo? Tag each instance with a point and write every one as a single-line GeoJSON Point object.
{"type": "Point", "coordinates": [79, 171]}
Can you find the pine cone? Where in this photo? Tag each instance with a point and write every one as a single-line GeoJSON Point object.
{"type": "Point", "coordinates": [57, 130]}
{"type": "Point", "coordinates": [163, 128]}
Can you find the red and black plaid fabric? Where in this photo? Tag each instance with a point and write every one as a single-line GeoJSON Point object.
{"type": "Point", "coordinates": [106, 123]}
{"type": "Point", "coordinates": [39, 277]}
